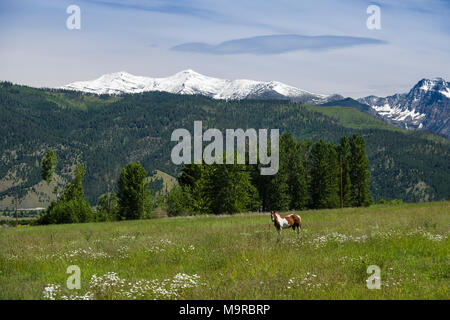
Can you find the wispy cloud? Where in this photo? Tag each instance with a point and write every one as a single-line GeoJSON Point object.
{"type": "Point", "coordinates": [168, 7]}
{"type": "Point", "coordinates": [275, 44]}
{"type": "Point", "coordinates": [195, 9]}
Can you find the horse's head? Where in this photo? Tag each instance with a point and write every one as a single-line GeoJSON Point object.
{"type": "Point", "coordinates": [272, 215]}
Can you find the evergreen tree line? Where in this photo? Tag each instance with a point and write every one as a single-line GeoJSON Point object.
{"type": "Point", "coordinates": [310, 176]}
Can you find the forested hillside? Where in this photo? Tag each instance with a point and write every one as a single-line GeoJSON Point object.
{"type": "Point", "coordinates": [106, 132]}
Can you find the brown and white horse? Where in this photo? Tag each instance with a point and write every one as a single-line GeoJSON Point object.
{"type": "Point", "coordinates": [291, 221]}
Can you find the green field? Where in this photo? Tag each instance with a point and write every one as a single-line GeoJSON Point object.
{"type": "Point", "coordinates": [236, 257]}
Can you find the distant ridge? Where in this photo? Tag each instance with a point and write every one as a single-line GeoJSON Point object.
{"type": "Point", "coordinates": [191, 82]}
{"type": "Point", "coordinates": [425, 107]}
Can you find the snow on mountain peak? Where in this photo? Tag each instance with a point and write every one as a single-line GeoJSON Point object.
{"type": "Point", "coordinates": [435, 84]}
{"type": "Point", "coordinates": [190, 82]}
{"type": "Point", "coordinates": [425, 106]}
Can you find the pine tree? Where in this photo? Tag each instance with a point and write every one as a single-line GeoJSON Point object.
{"type": "Point", "coordinates": [278, 191]}
{"type": "Point", "coordinates": [298, 189]}
{"type": "Point", "coordinates": [359, 173]}
{"type": "Point", "coordinates": [324, 185]}
{"type": "Point", "coordinates": [195, 178]}
{"type": "Point", "coordinates": [305, 148]}
{"type": "Point", "coordinates": [319, 167]}
{"type": "Point", "coordinates": [130, 185]}
{"type": "Point", "coordinates": [343, 150]}
{"type": "Point", "coordinates": [190, 173]}
{"type": "Point", "coordinates": [332, 176]}
{"type": "Point", "coordinates": [231, 190]}
{"type": "Point", "coordinates": [179, 201]}
{"type": "Point", "coordinates": [262, 184]}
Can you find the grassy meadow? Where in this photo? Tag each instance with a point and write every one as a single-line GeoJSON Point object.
{"type": "Point", "coordinates": [236, 257]}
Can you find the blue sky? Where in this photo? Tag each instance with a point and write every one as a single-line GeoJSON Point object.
{"type": "Point", "coordinates": [321, 46]}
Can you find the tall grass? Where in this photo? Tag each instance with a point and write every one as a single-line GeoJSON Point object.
{"type": "Point", "coordinates": [236, 257]}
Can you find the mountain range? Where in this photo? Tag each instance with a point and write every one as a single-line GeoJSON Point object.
{"type": "Point", "coordinates": [191, 82]}
{"type": "Point", "coordinates": [425, 107]}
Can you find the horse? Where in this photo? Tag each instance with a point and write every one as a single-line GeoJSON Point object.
{"type": "Point", "coordinates": [291, 221]}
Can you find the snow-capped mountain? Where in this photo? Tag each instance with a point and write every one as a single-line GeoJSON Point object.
{"type": "Point", "coordinates": [191, 82]}
{"type": "Point", "coordinates": [426, 106]}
